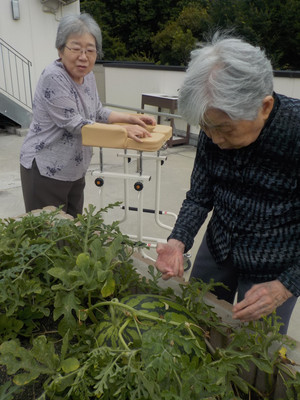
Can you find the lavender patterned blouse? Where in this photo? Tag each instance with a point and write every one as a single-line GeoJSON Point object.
{"type": "Point", "coordinates": [60, 108]}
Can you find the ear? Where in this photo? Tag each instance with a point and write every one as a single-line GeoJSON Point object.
{"type": "Point", "coordinates": [60, 52]}
{"type": "Point", "coordinates": [267, 106]}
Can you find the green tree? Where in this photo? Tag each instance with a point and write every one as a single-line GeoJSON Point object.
{"type": "Point", "coordinates": [164, 31]}
{"type": "Point", "coordinates": [289, 29]}
{"type": "Point", "coordinates": [272, 24]}
{"type": "Point", "coordinates": [194, 18]}
{"type": "Point", "coordinates": [133, 22]}
{"type": "Point", "coordinates": [172, 45]}
{"type": "Point", "coordinates": [114, 48]}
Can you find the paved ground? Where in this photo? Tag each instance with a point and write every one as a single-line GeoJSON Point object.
{"type": "Point", "coordinates": [175, 174]}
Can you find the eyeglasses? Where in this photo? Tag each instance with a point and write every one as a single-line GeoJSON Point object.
{"type": "Point", "coordinates": [78, 51]}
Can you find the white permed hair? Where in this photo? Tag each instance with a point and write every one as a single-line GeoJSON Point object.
{"type": "Point", "coordinates": [227, 74]}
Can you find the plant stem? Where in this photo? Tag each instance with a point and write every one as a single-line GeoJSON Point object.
{"type": "Point", "coordinates": [133, 311]}
{"type": "Point", "coordinates": [120, 334]}
{"type": "Point", "coordinates": [187, 325]}
{"type": "Point", "coordinates": [89, 311]}
{"type": "Point", "coordinates": [87, 230]}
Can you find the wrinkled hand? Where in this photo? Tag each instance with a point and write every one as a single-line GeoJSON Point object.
{"type": "Point", "coordinates": [138, 126]}
{"type": "Point", "coordinates": [143, 120]}
{"type": "Point", "coordinates": [170, 259]}
{"type": "Point", "coordinates": [261, 300]}
{"type": "Point", "coordinates": [136, 132]}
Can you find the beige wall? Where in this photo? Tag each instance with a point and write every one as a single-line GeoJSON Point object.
{"type": "Point", "coordinates": [288, 86]}
{"type": "Point", "coordinates": [124, 86]}
{"type": "Point", "coordinates": [33, 35]}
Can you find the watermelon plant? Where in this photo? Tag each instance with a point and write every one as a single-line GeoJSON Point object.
{"type": "Point", "coordinates": [77, 321]}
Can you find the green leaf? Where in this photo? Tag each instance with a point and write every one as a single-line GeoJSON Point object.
{"type": "Point", "coordinates": [102, 275]}
{"type": "Point", "coordinates": [112, 250]}
{"type": "Point", "coordinates": [241, 384]}
{"type": "Point", "coordinates": [58, 384]}
{"type": "Point", "coordinates": [8, 391]}
{"type": "Point", "coordinates": [97, 249]}
{"type": "Point", "coordinates": [108, 287]}
{"type": "Point", "coordinates": [65, 345]}
{"type": "Point", "coordinates": [9, 326]}
{"type": "Point", "coordinates": [44, 352]}
{"type": "Point", "coordinates": [16, 358]}
{"type": "Point", "coordinates": [263, 365]}
{"type": "Point", "coordinates": [86, 272]}
{"type": "Point", "coordinates": [83, 261]}
{"type": "Point", "coordinates": [65, 303]}
{"type": "Point", "coordinates": [61, 274]}
{"type": "Point", "coordinates": [70, 365]}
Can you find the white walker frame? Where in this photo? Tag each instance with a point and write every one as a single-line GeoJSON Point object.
{"type": "Point", "coordinates": [100, 135]}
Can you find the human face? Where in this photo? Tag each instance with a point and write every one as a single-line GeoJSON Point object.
{"type": "Point", "coordinates": [79, 65]}
{"type": "Point", "coordinates": [230, 134]}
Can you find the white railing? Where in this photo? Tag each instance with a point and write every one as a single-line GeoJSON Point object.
{"type": "Point", "coordinates": [15, 77]}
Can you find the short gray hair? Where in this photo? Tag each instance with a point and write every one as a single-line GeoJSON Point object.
{"type": "Point", "coordinates": [227, 74]}
{"type": "Point", "coordinates": [78, 24]}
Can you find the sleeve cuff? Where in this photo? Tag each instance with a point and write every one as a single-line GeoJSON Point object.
{"type": "Point", "coordinates": [183, 237]}
{"type": "Point", "coordinates": [291, 280]}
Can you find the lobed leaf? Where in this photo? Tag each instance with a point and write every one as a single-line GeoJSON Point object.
{"type": "Point", "coordinates": [33, 363]}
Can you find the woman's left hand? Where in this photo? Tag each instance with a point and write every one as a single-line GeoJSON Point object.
{"type": "Point", "coordinates": [261, 300]}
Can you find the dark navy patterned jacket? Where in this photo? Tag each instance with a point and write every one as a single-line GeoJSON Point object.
{"type": "Point", "coordinates": [254, 194]}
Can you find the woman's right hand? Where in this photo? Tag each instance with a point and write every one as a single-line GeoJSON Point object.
{"type": "Point", "coordinates": [170, 259]}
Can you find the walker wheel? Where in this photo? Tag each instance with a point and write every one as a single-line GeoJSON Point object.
{"type": "Point", "coordinates": [187, 265]}
{"type": "Point", "coordinates": [138, 186]}
{"type": "Point", "coordinates": [187, 261]}
{"type": "Point", "coordinates": [99, 182]}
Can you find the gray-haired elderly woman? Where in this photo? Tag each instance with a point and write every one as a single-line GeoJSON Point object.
{"type": "Point", "coordinates": [247, 171]}
{"type": "Point", "coordinates": [53, 160]}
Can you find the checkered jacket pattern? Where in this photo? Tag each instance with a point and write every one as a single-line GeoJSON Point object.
{"type": "Point", "coordinates": [254, 195]}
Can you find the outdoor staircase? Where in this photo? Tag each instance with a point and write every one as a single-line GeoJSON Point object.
{"type": "Point", "coordinates": [15, 88]}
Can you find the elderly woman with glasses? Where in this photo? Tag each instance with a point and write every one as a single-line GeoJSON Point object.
{"type": "Point", "coordinates": [53, 160]}
{"type": "Point", "coordinates": [246, 171]}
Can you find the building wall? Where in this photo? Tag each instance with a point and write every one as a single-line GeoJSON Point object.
{"type": "Point", "coordinates": [33, 35]}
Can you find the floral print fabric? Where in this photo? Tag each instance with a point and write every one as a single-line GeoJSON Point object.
{"type": "Point", "coordinates": [60, 108]}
